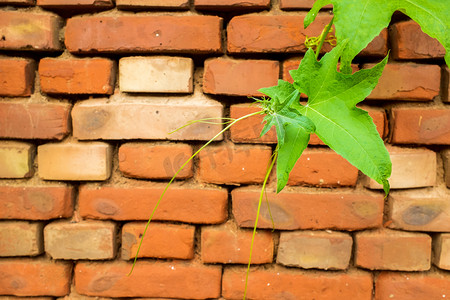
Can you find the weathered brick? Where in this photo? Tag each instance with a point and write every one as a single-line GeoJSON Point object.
{"type": "Point", "coordinates": [34, 277]}
{"type": "Point", "coordinates": [161, 240]}
{"type": "Point", "coordinates": [162, 279]}
{"type": "Point", "coordinates": [411, 168]}
{"type": "Point", "coordinates": [446, 84]}
{"type": "Point", "coordinates": [125, 117]}
{"type": "Point", "coordinates": [420, 126]}
{"type": "Point", "coordinates": [408, 41]}
{"type": "Point", "coordinates": [36, 202]}
{"type": "Point", "coordinates": [189, 204]}
{"type": "Point", "coordinates": [83, 240]}
{"type": "Point", "coordinates": [140, 4]}
{"type": "Point", "coordinates": [16, 159]}
{"type": "Point", "coordinates": [125, 34]}
{"type": "Point", "coordinates": [303, 209]}
{"type": "Point", "coordinates": [75, 161]}
{"type": "Point", "coordinates": [407, 286]}
{"type": "Point", "coordinates": [239, 77]}
{"type": "Point", "coordinates": [387, 249]}
{"type": "Point", "coordinates": [234, 164]}
{"type": "Point", "coordinates": [18, 2]}
{"type": "Point", "coordinates": [441, 250]}
{"type": "Point", "coordinates": [228, 244]}
{"type": "Point", "coordinates": [24, 298]}
{"type": "Point", "coordinates": [21, 30]}
{"type": "Point", "coordinates": [446, 159]}
{"type": "Point", "coordinates": [282, 283]}
{"type": "Point", "coordinates": [24, 120]}
{"type": "Point", "coordinates": [231, 4]}
{"type": "Point", "coordinates": [155, 160]}
{"type": "Point", "coordinates": [92, 5]}
{"type": "Point", "coordinates": [20, 238]}
{"type": "Point", "coordinates": [156, 74]}
{"type": "Point", "coordinates": [398, 83]}
{"type": "Point", "coordinates": [77, 76]}
{"type": "Point", "coordinates": [315, 249]}
{"type": "Point", "coordinates": [16, 76]}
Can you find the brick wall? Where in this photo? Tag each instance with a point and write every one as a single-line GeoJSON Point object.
{"type": "Point", "coordinates": [88, 93]}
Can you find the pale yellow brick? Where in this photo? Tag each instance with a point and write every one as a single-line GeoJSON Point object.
{"type": "Point", "coordinates": [20, 238]}
{"type": "Point", "coordinates": [16, 159]}
{"type": "Point", "coordinates": [441, 247]}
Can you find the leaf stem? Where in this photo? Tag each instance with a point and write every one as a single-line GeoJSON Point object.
{"type": "Point", "coordinates": [323, 36]}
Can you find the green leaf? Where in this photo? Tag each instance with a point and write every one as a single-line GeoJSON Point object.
{"type": "Point", "coordinates": [312, 14]}
{"type": "Point", "coordinates": [332, 97]}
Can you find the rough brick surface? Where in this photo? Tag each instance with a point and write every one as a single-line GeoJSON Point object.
{"type": "Point", "coordinates": [446, 159]}
{"type": "Point", "coordinates": [298, 4]}
{"type": "Point", "coordinates": [393, 250]}
{"type": "Point", "coordinates": [155, 160]}
{"type": "Point", "coordinates": [156, 74]}
{"type": "Point", "coordinates": [282, 283]}
{"type": "Point", "coordinates": [35, 202]}
{"type": "Point", "coordinates": [16, 77]}
{"type": "Point", "coordinates": [18, 2]}
{"type": "Point", "coordinates": [139, 4]}
{"type": "Point", "coordinates": [84, 240]}
{"type": "Point", "coordinates": [303, 209]}
{"type": "Point", "coordinates": [194, 204]}
{"type": "Point", "coordinates": [34, 277]}
{"type": "Point", "coordinates": [29, 31]}
{"type": "Point", "coordinates": [126, 117]}
{"type": "Point", "coordinates": [144, 34]}
{"type": "Point", "coordinates": [234, 164]}
{"type": "Point", "coordinates": [162, 279]}
{"type": "Point", "coordinates": [231, 4]}
{"type": "Point", "coordinates": [315, 249]}
{"type": "Point", "coordinates": [76, 4]}
{"type": "Point", "coordinates": [228, 244]}
{"type": "Point", "coordinates": [441, 249]}
{"type": "Point", "coordinates": [16, 159]}
{"type": "Point", "coordinates": [77, 76]}
{"type": "Point", "coordinates": [420, 126]}
{"type": "Point", "coordinates": [239, 77]}
{"type": "Point", "coordinates": [19, 238]}
{"type": "Point", "coordinates": [160, 241]}
{"type": "Point", "coordinates": [446, 84]}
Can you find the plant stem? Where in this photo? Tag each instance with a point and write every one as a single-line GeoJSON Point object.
{"type": "Point", "coordinates": [323, 36]}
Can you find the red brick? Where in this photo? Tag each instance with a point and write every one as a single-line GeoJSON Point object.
{"type": "Point", "coordinates": [155, 160]}
{"type": "Point", "coordinates": [296, 208]}
{"type": "Point", "coordinates": [298, 4]}
{"type": "Point", "coordinates": [34, 277]}
{"type": "Point", "coordinates": [239, 77]}
{"type": "Point", "coordinates": [80, 240]}
{"type": "Point", "coordinates": [18, 2]}
{"type": "Point", "coordinates": [315, 249]}
{"type": "Point", "coordinates": [446, 84]}
{"type": "Point", "coordinates": [392, 250]}
{"type": "Point", "coordinates": [408, 41]}
{"type": "Point", "coordinates": [76, 4]}
{"type": "Point", "coordinates": [144, 34]}
{"type": "Point", "coordinates": [16, 77]}
{"type": "Point", "coordinates": [228, 244]}
{"type": "Point", "coordinates": [378, 46]}
{"type": "Point", "coordinates": [231, 4]}
{"type": "Point", "coordinates": [441, 250]}
{"type": "Point", "coordinates": [29, 31]}
{"type": "Point", "coordinates": [234, 164]}
{"type": "Point", "coordinates": [408, 286]}
{"type": "Point", "coordinates": [77, 76]}
{"type": "Point", "coordinates": [36, 202]}
{"type": "Point", "coordinates": [20, 238]}
{"type": "Point", "coordinates": [190, 204]}
{"type": "Point", "coordinates": [446, 159]}
{"type": "Point", "coordinates": [141, 4]}
{"type": "Point", "coordinates": [24, 120]}
{"type": "Point", "coordinates": [407, 81]}
{"type": "Point", "coordinates": [282, 283]}
{"type": "Point", "coordinates": [161, 240]}
{"type": "Point", "coordinates": [162, 279]}
{"type": "Point", "coordinates": [421, 126]}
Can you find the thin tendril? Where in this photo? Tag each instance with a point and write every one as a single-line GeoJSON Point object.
{"type": "Point", "coordinates": [205, 121]}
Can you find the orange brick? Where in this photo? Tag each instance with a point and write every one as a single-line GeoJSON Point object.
{"type": "Point", "coordinates": [420, 126]}
{"type": "Point", "coordinates": [18, 2]}
{"type": "Point", "coordinates": [16, 77]}
{"type": "Point", "coordinates": [16, 159]}
{"type": "Point", "coordinates": [24, 120]}
{"type": "Point", "coordinates": [77, 76]}
{"type": "Point", "coordinates": [161, 240]}
{"type": "Point", "coordinates": [393, 250]}
{"type": "Point", "coordinates": [234, 164]}
{"type": "Point", "coordinates": [298, 4]}
{"type": "Point", "coordinates": [195, 204]}
{"type": "Point", "coordinates": [406, 286]}
{"type": "Point", "coordinates": [239, 77]}
{"type": "Point", "coordinates": [92, 5]}
{"type": "Point", "coordinates": [378, 46]}
{"type": "Point", "coordinates": [446, 159]}
{"type": "Point", "coordinates": [446, 84]}
{"type": "Point", "coordinates": [155, 160]}
{"type": "Point", "coordinates": [162, 279]}
{"type": "Point", "coordinates": [296, 208]}
{"type": "Point", "coordinates": [34, 277]}
{"type": "Point", "coordinates": [228, 244]}
{"type": "Point", "coordinates": [44, 35]}
{"type": "Point", "coordinates": [282, 283]}
{"type": "Point", "coordinates": [201, 34]}
{"type": "Point", "coordinates": [20, 238]}
{"type": "Point", "coordinates": [408, 41]}
{"type": "Point", "coordinates": [441, 250]}
{"type": "Point", "coordinates": [231, 4]}
{"type": "Point", "coordinates": [140, 4]}
{"type": "Point", "coordinates": [36, 202]}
